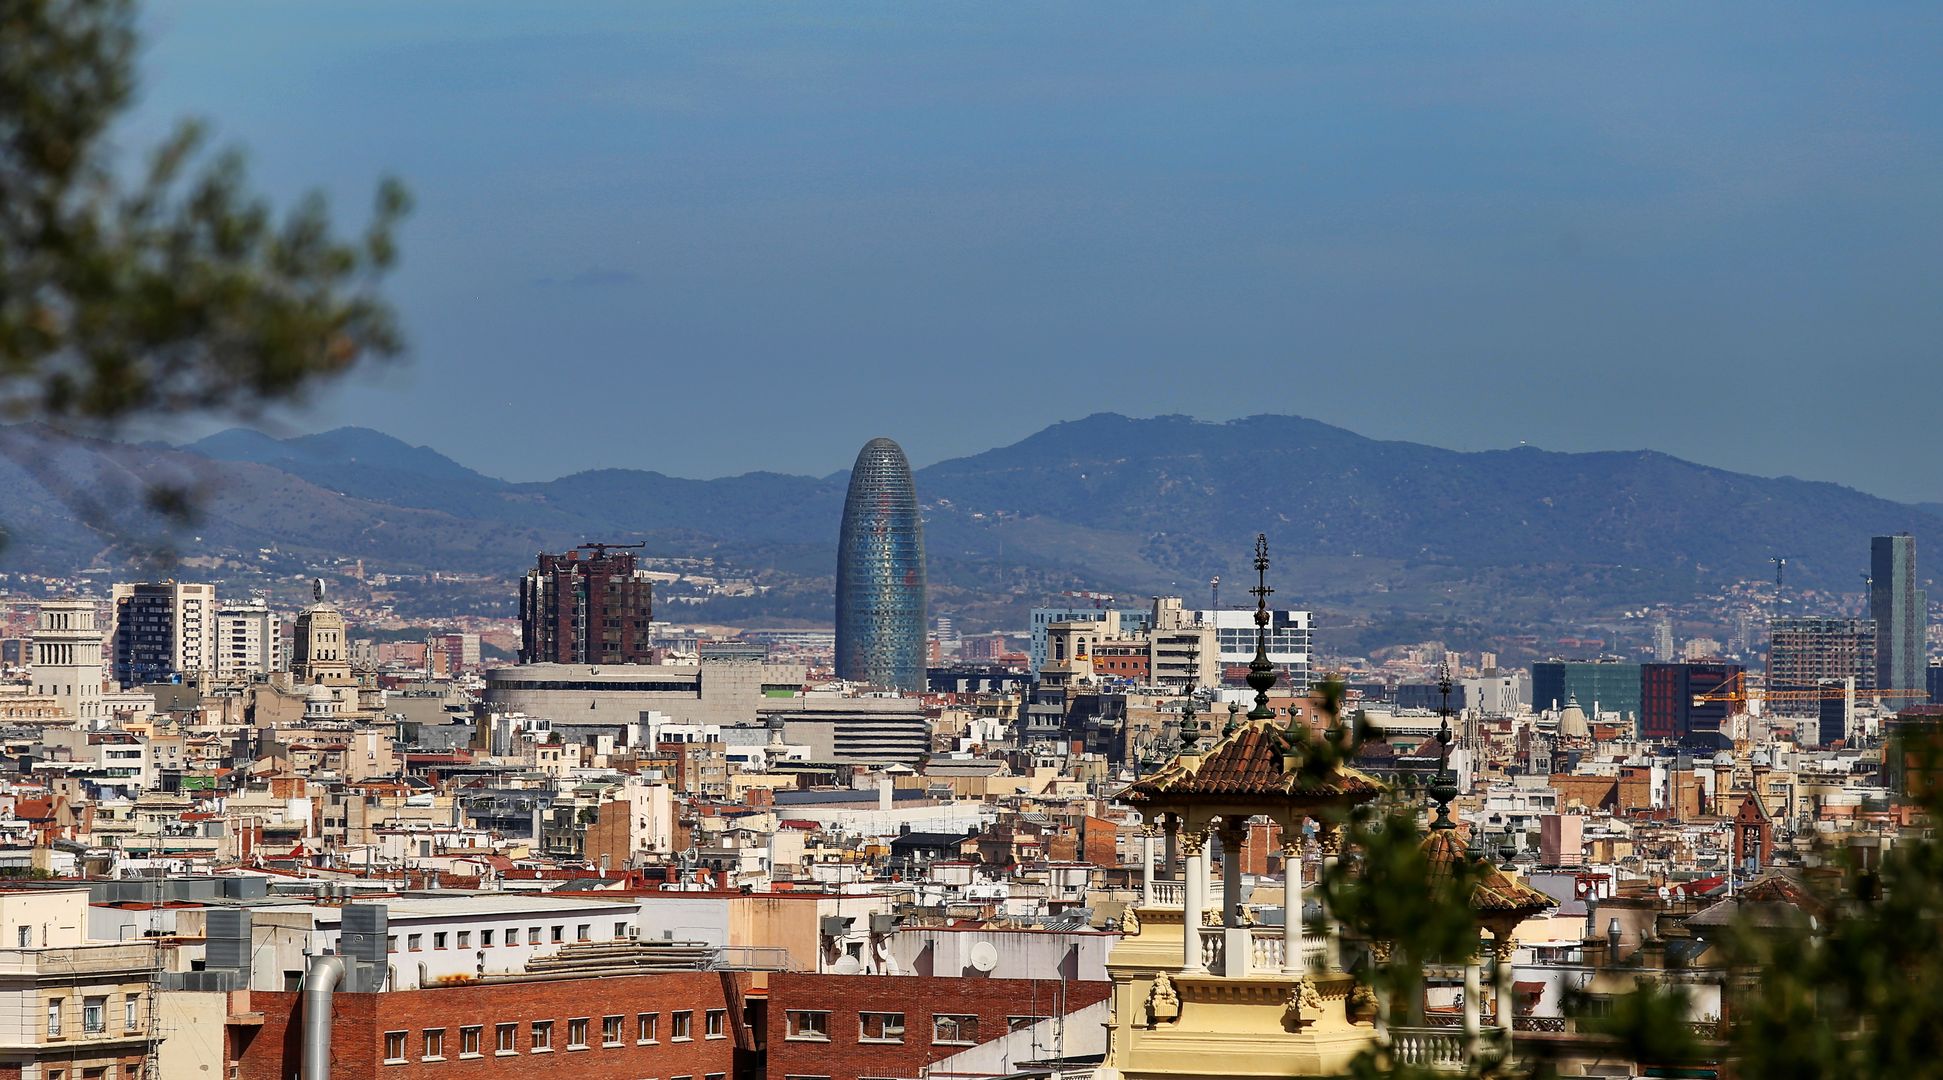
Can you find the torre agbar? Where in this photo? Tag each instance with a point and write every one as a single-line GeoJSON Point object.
{"type": "Point", "coordinates": [880, 573]}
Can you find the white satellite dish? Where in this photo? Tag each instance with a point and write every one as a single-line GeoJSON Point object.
{"type": "Point", "coordinates": [846, 965]}
{"type": "Point", "coordinates": [984, 956]}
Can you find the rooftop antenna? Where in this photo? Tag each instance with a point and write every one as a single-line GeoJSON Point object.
{"type": "Point", "coordinates": [1214, 594]}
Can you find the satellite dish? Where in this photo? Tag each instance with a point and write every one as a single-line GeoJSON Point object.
{"type": "Point", "coordinates": [984, 957]}
{"type": "Point", "coordinates": [846, 965]}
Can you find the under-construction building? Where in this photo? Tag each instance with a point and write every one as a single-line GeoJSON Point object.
{"type": "Point", "coordinates": [1808, 653]}
{"type": "Point", "coordinates": [594, 608]}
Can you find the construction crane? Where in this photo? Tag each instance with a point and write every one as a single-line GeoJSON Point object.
{"type": "Point", "coordinates": [1780, 563]}
{"type": "Point", "coordinates": [1819, 693]}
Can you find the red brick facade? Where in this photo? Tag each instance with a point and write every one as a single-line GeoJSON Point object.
{"type": "Point", "coordinates": [842, 1001]}
{"type": "Point", "coordinates": [361, 1024]}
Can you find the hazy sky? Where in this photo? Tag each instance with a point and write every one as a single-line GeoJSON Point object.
{"type": "Point", "coordinates": [708, 238]}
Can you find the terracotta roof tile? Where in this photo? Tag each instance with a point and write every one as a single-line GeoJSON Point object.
{"type": "Point", "coordinates": [1247, 763]}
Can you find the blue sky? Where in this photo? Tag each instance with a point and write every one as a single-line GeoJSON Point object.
{"type": "Point", "coordinates": [719, 237]}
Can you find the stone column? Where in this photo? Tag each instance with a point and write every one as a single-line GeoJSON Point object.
{"type": "Point", "coordinates": [1330, 838]}
{"type": "Point", "coordinates": [1171, 825]}
{"type": "Point", "coordinates": [1379, 956]}
{"type": "Point", "coordinates": [1292, 899]}
{"type": "Point", "coordinates": [1501, 949]}
{"type": "Point", "coordinates": [1194, 845]}
{"type": "Point", "coordinates": [1238, 942]}
{"type": "Point", "coordinates": [1147, 866]}
{"type": "Point", "coordinates": [1472, 991]}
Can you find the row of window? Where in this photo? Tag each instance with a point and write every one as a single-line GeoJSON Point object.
{"type": "Point", "coordinates": [557, 934]}
{"type": "Point", "coordinates": [94, 1014]}
{"type": "Point", "coordinates": [947, 1029]}
{"type": "Point", "coordinates": [539, 1039]}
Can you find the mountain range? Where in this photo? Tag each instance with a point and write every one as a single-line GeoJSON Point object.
{"type": "Point", "coordinates": [1385, 530]}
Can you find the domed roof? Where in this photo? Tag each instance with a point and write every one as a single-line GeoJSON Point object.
{"type": "Point", "coordinates": [1723, 758]}
{"type": "Point", "coordinates": [1571, 722]}
{"type": "Point", "coordinates": [319, 692]}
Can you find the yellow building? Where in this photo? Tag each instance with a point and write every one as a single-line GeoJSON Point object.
{"type": "Point", "coordinates": [70, 1008]}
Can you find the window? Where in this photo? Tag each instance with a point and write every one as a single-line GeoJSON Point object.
{"type": "Point", "coordinates": [559, 933]}
{"type": "Point", "coordinates": [25, 935]}
{"type": "Point", "coordinates": [1020, 1023]}
{"type": "Point", "coordinates": [465, 939]}
{"type": "Point", "coordinates": [438, 940]}
{"type": "Point", "coordinates": [542, 1036]}
{"type": "Point", "coordinates": [434, 1045]}
{"type": "Point", "coordinates": [954, 1029]}
{"type": "Point", "coordinates": [506, 1039]}
{"type": "Point", "coordinates": [485, 939]}
{"type": "Point", "coordinates": [394, 1048]}
{"type": "Point", "coordinates": [415, 942]}
{"type": "Point", "coordinates": [469, 1039]}
{"type": "Point", "coordinates": [54, 1017]}
{"type": "Point", "coordinates": [679, 1025]}
{"type": "Point", "coordinates": [620, 929]}
{"type": "Point", "coordinates": [577, 1034]}
{"type": "Point", "coordinates": [94, 1015]}
{"type": "Point", "coordinates": [532, 935]}
{"type": "Point", "coordinates": [391, 943]}
{"type": "Point", "coordinates": [583, 932]}
{"type": "Point", "coordinates": [805, 1024]}
{"type": "Point", "coordinates": [714, 1076]}
{"type": "Point", "coordinates": [610, 1031]}
{"type": "Point", "coordinates": [131, 1012]}
{"type": "Point", "coordinates": [881, 1027]}
{"type": "Point", "coordinates": [715, 1023]}
{"type": "Point", "coordinates": [644, 1027]}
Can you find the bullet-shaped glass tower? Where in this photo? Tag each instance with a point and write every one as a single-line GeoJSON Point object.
{"type": "Point", "coordinates": [880, 573]}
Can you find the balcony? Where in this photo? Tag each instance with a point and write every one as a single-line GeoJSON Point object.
{"type": "Point", "coordinates": [1439, 1048]}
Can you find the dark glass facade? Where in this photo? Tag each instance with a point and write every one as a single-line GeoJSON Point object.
{"type": "Point", "coordinates": [880, 573]}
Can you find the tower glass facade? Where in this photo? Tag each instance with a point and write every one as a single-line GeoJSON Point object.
{"type": "Point", "coordinates": [880, 573]}
{"type": "Point", "coordinates": [1901, 614]}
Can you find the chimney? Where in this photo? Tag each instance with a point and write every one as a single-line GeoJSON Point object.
{"type": "Point", "coordinates": [883, 793]}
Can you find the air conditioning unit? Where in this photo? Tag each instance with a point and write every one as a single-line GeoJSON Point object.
{"type": "Point", "coordinates": [833, 925]}
{"type": "Point", "coordinates": [883, 924]}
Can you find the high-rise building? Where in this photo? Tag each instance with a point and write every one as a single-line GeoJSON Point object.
{"type": "Point", "coordinates": [1807, 652]}
{"type": "Point", "coordinates": [249, 640]}
{"type": "Point", "coordinates": [1901, 613]}
{"type": "Point", "coordinates": [67, 658]}
{"type": "Point", "coordinates": [1689, 702]}
{"type": "Point", "coordinates": [1612, 686]}
{"type": "Point", "coordinates": [880, 573]}
{"type": "Point", "coordinates": [163, 630]}
{"type": "Point", "coordinates": [1663, 639]}
{"type": "Point", "coordinates": [591, 609]}
{"type": "Point", "coordinates": [1291, 642]}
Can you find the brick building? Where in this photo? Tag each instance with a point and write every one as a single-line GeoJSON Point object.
{"type": "Point", "coordinates": [845, 1027]}
{"type": "Point", "coordinates": [671, 1025]}
{"type": "Point", "coordinates": [592, 610]}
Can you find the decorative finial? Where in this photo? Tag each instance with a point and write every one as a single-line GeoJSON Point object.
{"type": "Point", "coordinates": [1261, 672]}
{"type": "Point", "coordinates": [1190, 726]}
{"type": "Point", "coordinates": [1234, 718]}
{"type": "Point", "coordinates": [1443, 787]}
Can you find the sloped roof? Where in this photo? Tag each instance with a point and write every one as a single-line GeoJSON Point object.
{"type": "Point", "coordinates": [1772, 900]}
{"type": "Point", "coordinates": [1497, 893]}
{"type": "Point", "coordinates": [1247, 763]}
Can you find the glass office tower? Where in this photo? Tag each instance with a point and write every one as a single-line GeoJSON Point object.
{"type": "Point", "coordinates": [880, 573]}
